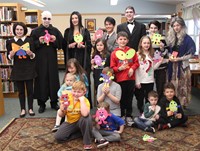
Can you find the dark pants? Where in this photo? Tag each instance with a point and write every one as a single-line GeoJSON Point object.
{"type": "Point", "coordinates": [70, 131]}
{"type": "Point", "coordinates": [142, 94]}
{"type": "Point", "coordinates": [21, 85]}
{"type": "Point", "coordinates": [127, 97]}
{"type": "Point", "coordinates": [160, 80]}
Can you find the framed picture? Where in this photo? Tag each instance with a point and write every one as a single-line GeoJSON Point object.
{"type": "Point", "coordinates": [90, 24]}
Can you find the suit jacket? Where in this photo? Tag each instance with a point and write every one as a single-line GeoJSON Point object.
{"type": "Point", "coordinates": [111, 42]}
{"type": "Point", "coordinates": [138, 31]}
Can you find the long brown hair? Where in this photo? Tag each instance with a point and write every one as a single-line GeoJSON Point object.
{"type": "Point", "coordinates": [141, 51]}
{"type": "Point", "coordinates": [96, 52]}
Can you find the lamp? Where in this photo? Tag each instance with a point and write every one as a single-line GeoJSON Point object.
{"type": "Point", "coordinates": [36, 2]}
{"type": "Point", "coordinates": [113, 2]}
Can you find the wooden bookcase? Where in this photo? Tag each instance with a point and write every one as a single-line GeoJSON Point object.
{"type": "Point", "coordinates": [9, 14]}
{"type": "Point", "coordinates": [32, 19]}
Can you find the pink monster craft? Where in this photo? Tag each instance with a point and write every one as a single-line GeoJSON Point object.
{"type": "Point", "coordinates": [101, 114]}
{"type": "Point", "coordinates": [98, 34]}
{"type": "Point", "coordinates": [47, 37]}
{"type": "Point", "coordinates": [65, 101]}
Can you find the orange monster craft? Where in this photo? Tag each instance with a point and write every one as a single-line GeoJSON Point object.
{"type": "Point", "coordinates": [21, 50]}
{"type": "Point", "coordinates": [124, 58]}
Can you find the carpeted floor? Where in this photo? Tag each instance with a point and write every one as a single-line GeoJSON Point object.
{"type": "Point", "coordinates": [29, 134]}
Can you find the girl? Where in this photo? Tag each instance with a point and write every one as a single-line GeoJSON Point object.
{"type": "Point", "coordinates": [145, 72]}
{"type": "Point", "coordinates": [162, 50]}
{"type": "Point", "coordinates": [100, 59]}
{"type": "Point", "coordinates": [182, 47]}
{"type": "Point", "coordinates": [74, 67]}
{"type": "Point", "coordinates": [23, 71]}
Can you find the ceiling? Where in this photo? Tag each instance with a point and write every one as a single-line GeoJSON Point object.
{"type": "Point", "coordinates": [170, 2]}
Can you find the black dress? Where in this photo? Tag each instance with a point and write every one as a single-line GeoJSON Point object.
{"type": "Point", "coordinates": [47, 81]}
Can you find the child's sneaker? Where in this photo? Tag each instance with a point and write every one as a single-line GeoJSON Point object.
{"type": "Point", "coordinates": [56, 127]}
{"type": "Point", "coordinates": [129, 121]}
{"type": "Point", "coordinates": [87, 147]}
{"type": "Point", "coordinates": [162, 126]}
{"type": "Point", "coordinates": [150, 129]}
{"type": "Point", "coordinates": [102, 143]}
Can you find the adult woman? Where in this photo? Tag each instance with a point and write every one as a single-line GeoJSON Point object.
{"type": "Point", "coordinates": [182, 47]}
{"type": "Point", "coordinates": [162, 50]}
{"type": "Point", "coordinates": [77, 49]}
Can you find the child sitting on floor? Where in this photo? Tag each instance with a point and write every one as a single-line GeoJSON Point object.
{"type": "Point", "coordinates": [150, 114]}
{"type": "Point", "coordinates": [171, 113]}
{"type": "Point", "coordinates": [67, 86]}
{"type": "Point", "coordinates": [107, 127]}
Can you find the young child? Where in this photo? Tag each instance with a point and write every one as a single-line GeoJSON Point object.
{"type": "Point", "coordinates": [110, 93]}
{"type": "Point", "coordinates": [110, 130]}
{"type": "Point", "coordinates": [78, 120]}
{"type": "Point", "coordinates": [67, 86]}
{"type": "Point", "coordinates": [74, 67]}
{"type": "Point", "coordinates": [144, 75]}
{"type": "Point", "coordinates": [124, 62]}
{"type": "Point", "coordinates": [100, 59]}
{"type": "Point", "coordinates": [150, 115]}
{"type": "Point", "coordinates": [23, 71]}
{"type": "Point", "coordinates": [171, 113]}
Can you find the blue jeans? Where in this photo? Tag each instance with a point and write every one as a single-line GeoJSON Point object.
{"type": "Point", "coordinates": [143, 123]}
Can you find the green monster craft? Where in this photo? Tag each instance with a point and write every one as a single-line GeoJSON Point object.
{"type": "Point", "coordinates": [173, 106]}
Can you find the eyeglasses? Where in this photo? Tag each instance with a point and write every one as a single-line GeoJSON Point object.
{"type": "Point", "coordinates": [45, 18]}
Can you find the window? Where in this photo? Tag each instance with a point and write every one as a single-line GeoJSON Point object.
{"type": "Point", "coordinates": [194, 32]}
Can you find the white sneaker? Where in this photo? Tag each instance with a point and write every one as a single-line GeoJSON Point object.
{"type": "Point", "coordinates": [129, 119]}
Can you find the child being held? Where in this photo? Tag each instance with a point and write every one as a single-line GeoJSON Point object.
{"type": "Point", "coordinates": [107, 127]}
{"type": "Point", "coordinates": [67, 86]}
{"type": "Point", "coordinates": [150, 114]}
{"type": "Point", "coordinates": [171, 113]}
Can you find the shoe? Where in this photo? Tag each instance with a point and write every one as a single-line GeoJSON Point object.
{"type": "Point", "coordinates": [87, 147]}
{"type": "Point", "coordinates": [129, 119]}
{"type": "Point", "coordinates": [150, 129]}
{"type": "Point", "coordinates": [56, 127]}
{"type": "Point", "coordinates": [31, 113]}
{"type": "Point", "coordinates": [162, 126]}
{"type": "Point", "coordinates": [131, 124]}
{"type": "Point", "coordinates": [22, 114]}
{"type": "Point", "coordinates": [55, 107]}
{"type": "Point", "coordinates": [102, 143]}
{"type": "Point", "coordinates": [41, 108]}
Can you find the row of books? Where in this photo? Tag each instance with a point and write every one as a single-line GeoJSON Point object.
{"type": "Point", "coordinates": [4, 60]}
{"type": "Point", "coordinates": [7, 14]}
{"type": "Point", "coordinates": [31, 19]}
{"type": "Point", "coordinates": [2, 44]}
{"type": "Point", "coordinates": [8, 87]}
{"type": "Point", "coordinates": [5, 73]}
{"type": "Point", "coordinates": [6, 30]}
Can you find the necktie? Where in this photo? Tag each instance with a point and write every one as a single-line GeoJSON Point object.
{"type": "Point", "coordinates": [107, 37]}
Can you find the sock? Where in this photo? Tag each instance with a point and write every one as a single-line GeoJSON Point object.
{"type": "Point", "coordinates": [169, 125]}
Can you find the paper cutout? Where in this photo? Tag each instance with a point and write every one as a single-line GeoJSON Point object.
{"type": "Point", "coordinates": [78, 38]}
{"type": "Point", "coordinates": [174, 54]}
{"type": "Point", "coordinates": [148, 138]}
{"type": "Point", "coordinates": [64, 98]}
{"type": "Point", "coordinates": [157, 56]}
{"type": "Point", "coordinates": [98, 34]}
{"type": "Point", "coordinates": [156, 38]}
{"type": "Point", "coordinates": [98, 61]}
{"type": "Point", "coordinates": [173, 106]}
{"type": "Point", "coordinates": [102, 115]}
{"type": "Point", "coordinates": [47, 37]}
{"type": "Point", "coordinates": [106, 78]}
{"type": "Point", "coordinates": [20, 51]}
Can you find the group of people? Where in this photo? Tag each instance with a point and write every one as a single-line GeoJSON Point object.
{"type": "Point", "coordinates": [123, 65]}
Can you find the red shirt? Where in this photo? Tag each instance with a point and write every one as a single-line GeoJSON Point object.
{"type": "Point", "coordinates": [120, 56]}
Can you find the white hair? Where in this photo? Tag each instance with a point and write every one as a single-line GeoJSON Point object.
{"type": "Point", "coordinates": [46, 14]}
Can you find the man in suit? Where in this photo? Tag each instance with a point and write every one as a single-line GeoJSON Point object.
{"type": "Point", "coordinates": [110, 35]}
{"type": "Point", "coordinates": [134, 29]}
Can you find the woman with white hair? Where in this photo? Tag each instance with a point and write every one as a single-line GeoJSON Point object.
{"type": "Point", "coordinates": [182, 47]}
{"type": "Point", "coordinates": [47, 40]}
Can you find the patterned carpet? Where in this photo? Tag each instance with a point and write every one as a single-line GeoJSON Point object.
{"type": "Point", "coordinates": [30, 134]}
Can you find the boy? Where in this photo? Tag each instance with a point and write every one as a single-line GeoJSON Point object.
{"type": "Point", "coordinates": [78, 120]}
{"type": "Point", "coordinates": [109, 132]}
{"type": "Point", "coordinates": [150, 114]}
{"type": "Point", "coordinates": [67, 86]}
{"type": "Point", "coordinates": [171, 113]}
{"type": "Point", "coordinates": [110, 94]}
{"type": "Point", "coordinates": [124, 62]}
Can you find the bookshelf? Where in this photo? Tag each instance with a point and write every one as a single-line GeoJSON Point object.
{"type": "Point", "coordinates": [9, 14]}
{"type": "Point", "coordinates": [32, 19]}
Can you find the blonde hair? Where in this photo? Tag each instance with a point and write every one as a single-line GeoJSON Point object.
{"type": "Point", "coordinates": [105, 105]}
{"type": "Point", "coordinates": [79, 85]}
{"type": "Point", "coordinates": [70, 75]}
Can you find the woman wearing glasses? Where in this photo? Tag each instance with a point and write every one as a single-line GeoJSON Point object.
{"type": "Point", "coordinates": [47, 40]}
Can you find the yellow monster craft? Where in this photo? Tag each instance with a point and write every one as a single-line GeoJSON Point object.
{"type": "Point", "coordinates": [21, 50]}
{"type": "Point", "coordinates": [156, 39]}
{"type": "Point", "coordinates": [78, 38]}
{"type": "Point", "coordinates": [125, 57]}
{"type": "Point", "coordinates": [173, 106]}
